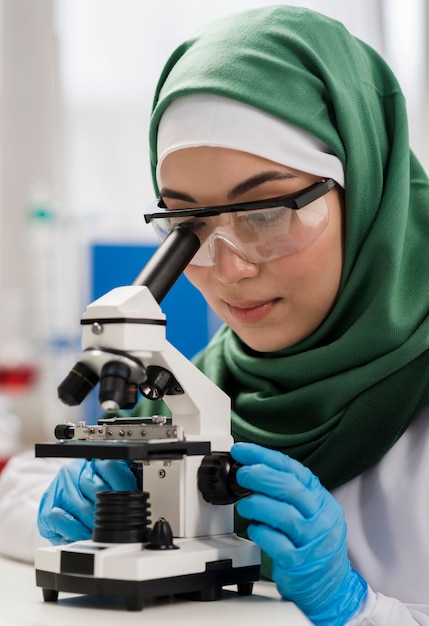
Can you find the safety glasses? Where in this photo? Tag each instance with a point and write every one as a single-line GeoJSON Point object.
{"type": "Point", "coordinates": [258, 231]}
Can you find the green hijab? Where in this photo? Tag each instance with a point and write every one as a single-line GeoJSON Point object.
{"type": "Point", "coordinates": [340, 399]}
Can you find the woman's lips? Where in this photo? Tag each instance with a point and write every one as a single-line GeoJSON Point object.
{"type": "Point", "coordinates": [248, 312]}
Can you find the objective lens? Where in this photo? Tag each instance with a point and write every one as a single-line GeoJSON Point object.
{"type": "Point", "coordinates": [77, 384]}
{"type": "Point", "coordinates": [114, 382]}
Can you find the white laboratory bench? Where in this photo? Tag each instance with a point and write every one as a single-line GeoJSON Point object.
{"type": "Point", "coordinates": [21, 604]}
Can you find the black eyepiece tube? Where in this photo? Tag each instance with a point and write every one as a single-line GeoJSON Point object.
{"type": "Point", "coordinates": [168, 262]}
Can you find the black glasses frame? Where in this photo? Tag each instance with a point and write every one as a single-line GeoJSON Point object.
{"type": "Point", "coordinates": [294, 201]}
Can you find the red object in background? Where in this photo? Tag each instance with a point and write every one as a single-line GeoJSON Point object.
{"type": "Point", "coordinates": [3, 461]}
{"type": "Point", "coordinates": [17, 377]}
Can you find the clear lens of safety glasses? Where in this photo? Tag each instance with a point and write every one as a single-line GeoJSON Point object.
{"type": "Point", "coordinates": [258, 231]}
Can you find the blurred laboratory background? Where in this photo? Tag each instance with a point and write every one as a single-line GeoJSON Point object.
{"type": "Point", "coordinates": [76, 80]}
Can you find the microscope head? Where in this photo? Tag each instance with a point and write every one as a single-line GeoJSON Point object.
{"type": "Point", "coordinates": [125, 326]}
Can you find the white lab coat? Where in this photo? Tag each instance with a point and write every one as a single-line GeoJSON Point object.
{"type": "Point", "coordinates": [22, 483]}
{"type": "Point", "coordinates": [387, 512]}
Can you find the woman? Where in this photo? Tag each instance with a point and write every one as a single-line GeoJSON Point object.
{"type": "Point", "coordinates": [324, 295]}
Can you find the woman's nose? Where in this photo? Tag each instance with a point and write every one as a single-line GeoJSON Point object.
{"type": "Point", "coordinates": [230, 265]}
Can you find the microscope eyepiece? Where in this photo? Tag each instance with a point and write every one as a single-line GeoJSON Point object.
{"type": "Point", "coordinates": [168, 262]}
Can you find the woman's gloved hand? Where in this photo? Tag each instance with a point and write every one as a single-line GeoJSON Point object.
{"type": "Point", "coordinates": [66, 511]}
{"type": "Point", "coordinates": [301, 526]}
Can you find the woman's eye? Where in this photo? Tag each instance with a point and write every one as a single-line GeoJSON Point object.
{"type": "Point", "coordinates": [268, 217]}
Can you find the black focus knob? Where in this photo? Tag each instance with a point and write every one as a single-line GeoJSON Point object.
{"type": "Point", "coordinates": [217, 479]}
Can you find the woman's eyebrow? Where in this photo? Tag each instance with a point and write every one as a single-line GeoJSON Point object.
{"type": "Point", "coordinates": [243, 187]}
{"type": "Point", "coordinates": [165, 192]}
{"type": "Point", "coordinates": [255, 181]}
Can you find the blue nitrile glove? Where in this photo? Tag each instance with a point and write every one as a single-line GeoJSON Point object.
{"type": "Point", "coordinates": [301, 526]}
{"type": "Point", "coordinates": [66, 511]}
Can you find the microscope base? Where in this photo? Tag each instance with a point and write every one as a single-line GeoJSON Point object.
{"type": "Point", "coordinates": [199, 569]}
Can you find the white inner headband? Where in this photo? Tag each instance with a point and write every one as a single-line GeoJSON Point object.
{"type": "Point", "coordinates": [210, 120]}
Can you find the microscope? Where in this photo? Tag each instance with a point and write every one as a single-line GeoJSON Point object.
{"type": "Point", "coordinates": [185, 474]}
